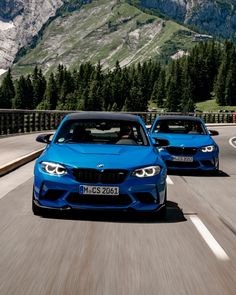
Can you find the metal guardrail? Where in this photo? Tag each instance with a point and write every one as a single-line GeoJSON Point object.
{"type": "Point", "coordinates": [24, 121]}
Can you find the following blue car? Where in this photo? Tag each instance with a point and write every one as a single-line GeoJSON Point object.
{"type": "Point", "coordinates": [191, 146]}
{"type": "Point", "coordinates": [100, 161]}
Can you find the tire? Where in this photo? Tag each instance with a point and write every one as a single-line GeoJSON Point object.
{"type": "Point", "coordinates": [163, 212]}
{"type": "Point", "coordinates": [36, 209]}
{"type": "Point", "coordinates": [216, 172]}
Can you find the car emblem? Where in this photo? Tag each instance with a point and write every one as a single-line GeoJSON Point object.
{"type": "Point", "coordinates": [100, 165]}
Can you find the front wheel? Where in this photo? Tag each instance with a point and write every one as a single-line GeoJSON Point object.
{"type": "Point", "coordinates": [163, 211]}
{"type": "Point", "coordinates": [216, 172]}
{"type": "Point", "coordinates": [36, 209]}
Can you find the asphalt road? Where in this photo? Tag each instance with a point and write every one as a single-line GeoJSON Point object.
{"type": "Point", "coordinates": [14, 147]}
{"type": "Point", "coordinates": [192, 252]}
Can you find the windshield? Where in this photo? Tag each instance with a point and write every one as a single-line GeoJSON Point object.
{"type": "Point", "coordinates": [180, 127]}
{"type": "Point", "coordinates": [102, 131]}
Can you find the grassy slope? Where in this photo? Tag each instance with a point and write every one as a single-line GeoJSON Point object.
{"type": "Point", "coordinates": [212, 106]}
{"type": "Point", "coordinates": [105, 30]}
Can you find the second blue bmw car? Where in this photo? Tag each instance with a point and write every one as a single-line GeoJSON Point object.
{"type": "Point", "coordinates": [190, 143]}
{"type": "Point", "coordinates": [100, 161]}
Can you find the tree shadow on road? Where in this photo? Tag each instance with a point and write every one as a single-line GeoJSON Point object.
{"type": "Point", "coordinates": [219, 173]}
{"type": "Point", "coordinates": [173, 215]}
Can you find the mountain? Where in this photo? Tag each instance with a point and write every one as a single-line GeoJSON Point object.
{"type": "Point", "coordinates": [215, 17]}
{"type": "Point", "coordinates": [105, 31]}
{"type": "Point", "coordinates": [20, 20]}
{"type": "Point", "coordinates": [49, 32]}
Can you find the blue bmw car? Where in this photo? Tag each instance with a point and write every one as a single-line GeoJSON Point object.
{"type": "Point", "coordinates": [99, 161]}
{"type": "Point", "coordinates": [190, 143]}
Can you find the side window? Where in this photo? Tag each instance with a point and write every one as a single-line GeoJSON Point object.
{"type": "Point", "coordinates": [156, 128]}
{"type": "Point", "coordinates": [163, 126]}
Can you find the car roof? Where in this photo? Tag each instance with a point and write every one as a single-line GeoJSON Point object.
{"type": "Point", "coordinates": [178, 117]}
{"type": "Point", "coordinates": [103, 116]}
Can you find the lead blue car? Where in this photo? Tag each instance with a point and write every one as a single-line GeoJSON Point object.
{"type": "Point", "coordinates": [99, 161]}
{"type": "Point", "coordinates": [191, 146]}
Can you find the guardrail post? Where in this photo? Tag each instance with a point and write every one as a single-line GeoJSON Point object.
{"type": "Point", "coordinates": [1, 124]}
{"type": "Point", "coordinates": [28, 122]}
{"type": "Point", "coordinates": [234, 117]}
{"type": "Point", "coordinates": [33, 127]}
{"type": "Point", "coordinates": [6, 121]}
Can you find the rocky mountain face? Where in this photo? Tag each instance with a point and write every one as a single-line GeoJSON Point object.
{"type": "Point", "coordinates": [105, 31]}
{"type": "Point", "coordinates": [216, 17]}
{"type": "Point", "coordinates": [20, 20]}
{"type": "Point", "coordinates": [10, 9]}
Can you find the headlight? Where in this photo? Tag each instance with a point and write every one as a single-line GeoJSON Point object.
{"type": "Point", "coordinates": [208, 149]}
{"type": "Point", "coordinates": [53, 168]}
{"type": "Point", "coordinates": [147, 171]}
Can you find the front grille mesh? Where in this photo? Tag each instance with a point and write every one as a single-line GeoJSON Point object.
{"type": "Point", "coordinates": [183, 151]}
{"type": "Point", "coordinates": [107, 176]}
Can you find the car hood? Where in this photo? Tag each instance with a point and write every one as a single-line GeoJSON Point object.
{"type": "Point", "coordinates": [186, 140]}
{"type": "Point", "coordinates": [90, 156]}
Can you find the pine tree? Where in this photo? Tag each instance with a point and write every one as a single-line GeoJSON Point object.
{"type": "Point", "coordinates": [51, 93]}
{"type": "Point", "coordinates": [67, 87]}
{"type": "Point", "coordinates": [117, 86]}
{"type": "Point", "coordinates": [174, 88]}
{"type": "Point", "coordinates": [159, 90]}
{"type": "Point", "coordinates": [8, 91]}
{"type": "Point", "coordinates": [94, 102]}
{"type": "Point", "coordinates": [29, 93]}
{"type": "Point", "coordinates": [39, 86]}
{"type": "Point", "coordinates": [71, 102]}
{"type": "Point", "coordinates": [134, 102]}
{"type": "Point", "coordinates": [82, 103]}
{"type": "Point", "coordinates": [1, 97]}
{"type": "Point", "coordinates": [219, 87]}
{"type": "Point", "coordinates": [59, 78]}
{"type": "Point", "coordinates": [188, 87]}
{"type": "Point", "coordinates": [230, 86]}
{"type": "Point", "coordinates": [106, 94]}
{"type": "Point", "coordinates": [20, 99]}
{"type": "Point", "coordinates": [220, 84]}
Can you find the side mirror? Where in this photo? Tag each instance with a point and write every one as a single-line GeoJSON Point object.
{"type": "Point", "coordinates": [213, 132]}
{"type": "Point", "coordinates": [161, 142]}
{"type": "Point", "coordinates": [44, 138]}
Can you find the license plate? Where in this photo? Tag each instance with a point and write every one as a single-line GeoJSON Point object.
{"type": "Point", "coordinates": [182, 159]}
{"type": "Point", "coordinates": [99, 190]}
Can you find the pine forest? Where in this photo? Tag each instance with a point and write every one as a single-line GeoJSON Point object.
{"type": "Point", "coordinates": [208, 71]}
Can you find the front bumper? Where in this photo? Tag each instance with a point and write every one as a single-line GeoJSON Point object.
{"type": "Point", "coordinates": [63, 193]}
{"type": "Point", "coordinates": [201, 161]}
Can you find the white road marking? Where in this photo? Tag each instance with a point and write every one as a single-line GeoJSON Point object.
{"type": "Point", "coordinates": [209, 239]}
{"type": "Point", "coordinates": [168, 180]}
{"type": "Point", "coordinates": [231, 142]}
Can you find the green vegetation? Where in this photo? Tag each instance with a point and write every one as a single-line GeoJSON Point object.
{"type": "Point", "coordinates": [212, 106]}
{"type": "Point", "coordinates": [203, 79]}
{"type": "Point", "coordinates": [208, 70]}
